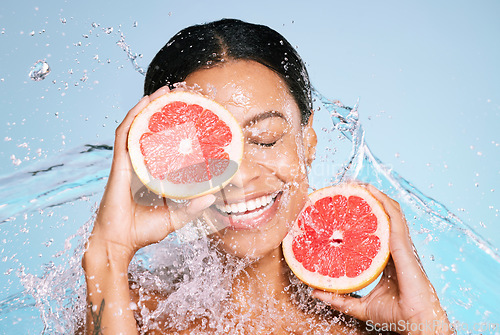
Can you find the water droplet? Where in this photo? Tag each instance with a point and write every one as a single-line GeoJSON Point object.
{"type": "Point", "coordinates": [135, 24]}
{"type": "Point", "coordinates": [39, 71]}
{"type": "Point", "coordinates": [15, 161]}
{"type": "Point", "coordinates": [108, 30]}
{"type": "Point", "coordinates": [95, 25]}
{"type": "Point", "coordinates": [32, 33]}
{"type": "Point", "coordinates": [63, 20]}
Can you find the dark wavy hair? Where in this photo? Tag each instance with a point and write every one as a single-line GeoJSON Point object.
{"type": "Point", "coordinates": [208, 45]}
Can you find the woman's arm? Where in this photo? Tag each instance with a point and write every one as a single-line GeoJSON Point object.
{"type": "Point", "coordinates": [404, 297]}
{"type": "Point", "coordinates": [109, 309]}
{"type": "Point", "coordinates": [121, 228]}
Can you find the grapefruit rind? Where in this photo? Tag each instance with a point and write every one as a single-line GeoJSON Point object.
{"type": "Point", "coordinates": [342, 284]}
{"type": "Point", "coordinates": [186, 190]}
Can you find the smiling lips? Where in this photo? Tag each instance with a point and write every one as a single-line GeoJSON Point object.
{"type": "Point", "coordinates": [242, 207]}
{"type": "Point", "coordinates": [249, 214]}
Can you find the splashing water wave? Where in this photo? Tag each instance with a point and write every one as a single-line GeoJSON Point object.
{"type": "Point", "coordinates": [462, 266]}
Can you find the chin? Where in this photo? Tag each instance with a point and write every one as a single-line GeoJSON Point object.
{"type": "Point", "coordinates": [253, 244]}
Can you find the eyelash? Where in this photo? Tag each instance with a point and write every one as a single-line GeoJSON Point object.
{"type": "Point", "coordinates": [267, 145]}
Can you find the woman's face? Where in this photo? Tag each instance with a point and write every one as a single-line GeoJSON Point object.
{"type": "Point", "coordinates": [264, 198]}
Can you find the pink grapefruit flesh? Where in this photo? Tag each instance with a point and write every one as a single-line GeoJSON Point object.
{"type": "Point", "coordinates": [340, 241]}
{"type": "Point", "coordinates": [183, 145]}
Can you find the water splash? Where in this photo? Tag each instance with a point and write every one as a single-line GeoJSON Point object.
{"type": "Point", "coordinates": [454, 255]}
{"type": "Point", "coordinates": [131, 56]}
{"type": "Point", "coordinates": [39, 70]}
{"type": "Point", "coordinates": [462, 266]}
{"type": "Point", "coordinates": [79, 172]}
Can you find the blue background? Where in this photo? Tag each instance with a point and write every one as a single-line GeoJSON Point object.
{"type": "Point", "coordinates": [426, 74]}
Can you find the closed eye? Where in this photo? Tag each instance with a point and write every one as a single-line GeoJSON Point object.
{"type": "Point", "coordinates": [262, 144]}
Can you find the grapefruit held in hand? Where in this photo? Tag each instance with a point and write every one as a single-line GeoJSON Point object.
{"type": "Point", "coordinates": [340, 241]}
{"type": "Point", "coordinates": [183, 145]}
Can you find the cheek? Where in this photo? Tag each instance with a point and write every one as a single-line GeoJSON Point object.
{"type": "Point", "coordinates": [287, 164]}
{"type": "Point", "coordinates": [285, 160]}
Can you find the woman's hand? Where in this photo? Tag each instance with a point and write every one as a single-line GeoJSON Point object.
{"type": "Point", "coordinates": [404, 297]}
{"type": "Point", "coordinates": [121, 223]}
{"type": "Point", "coordinates": [120, 229]}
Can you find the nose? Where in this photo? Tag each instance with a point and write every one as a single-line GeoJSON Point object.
{"type": "Point", "coordinates": [248, 171]}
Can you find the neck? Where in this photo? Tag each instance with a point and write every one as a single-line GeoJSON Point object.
{"type": "Point", "coordinates": [266, 277]}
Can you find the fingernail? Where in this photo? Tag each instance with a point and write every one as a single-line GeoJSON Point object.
{"type": "Point", "coordinates": [204, 202]}
{"type": "Point", "coordinates": [210, 199]}
{"type": "Point", "coordinates": [316, 293]}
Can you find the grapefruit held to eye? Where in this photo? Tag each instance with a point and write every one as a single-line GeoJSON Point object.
{"type": "Point", "coordinates": [340, 241]}
{"type": "Point", "coordinates": [183, 145]}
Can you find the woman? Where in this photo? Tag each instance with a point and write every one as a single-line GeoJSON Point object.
{"type": "Point", "coordinates": [259, 77]}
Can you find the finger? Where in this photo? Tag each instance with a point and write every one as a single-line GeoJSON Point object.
{"type": "Point", "coordinates": [165, 219]}
{"type": "Point", "coordinates": [121, 133]}
{"type": "Point", "coordinates": [343, 303]}
{"type": "Point", "coordinates": [121, 169]}
{"type": "Point", "coordinates": [390, 270]}
{"type": "Point", "coordinates": [191, 210]}
{"type": "Point", "coordinates": [159, 92]}
{"type": "Point", "coordinates": [403, 252]}
{"type": "Point", "coordinates": [400, 236]}
{"type": "Point", "coordinates": [124, 127]}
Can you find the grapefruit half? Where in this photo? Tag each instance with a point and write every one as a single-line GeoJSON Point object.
{"type": "Point", "coordinates": [183, 145]}
{"type": "Point", "coordinates": [340, 241]}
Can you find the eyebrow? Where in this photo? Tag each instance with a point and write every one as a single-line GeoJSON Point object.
{"type": "Point", "coordinates": [262, 116]}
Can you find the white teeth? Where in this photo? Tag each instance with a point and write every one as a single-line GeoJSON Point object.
{"type": "Point", "coordinates": [249, 205]}
{"type": "Point", "coordinates": [233, 208]}
{"type": "Point", "coordinates": [258, 202]}
{"type": "Point", "coordinates": [242, 207]}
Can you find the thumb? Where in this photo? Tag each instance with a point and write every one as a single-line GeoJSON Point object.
{"type": "Point", "coordinates": [343, 303]}
{"type": "Point", "coordinates": [191, 210]}
{"type": "Point", "coordinates": [159, 221]}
